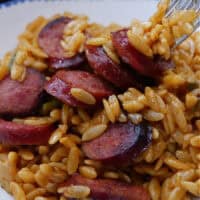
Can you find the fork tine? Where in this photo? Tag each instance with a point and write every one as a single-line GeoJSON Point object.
{"type": "Point", "coordinates": [197, 5]}
{"type": "Point", "coordinates": [186, 5]}
{"type": "Point", "coordinates": [196, 24]}
{"type": "Point", "coordinates": [182, 5]}
{"type": "Point", "coordinates": [191, 6]}
{"type": "Point", "coordinates": [197, 8]}
{"type": "Point", "coordinates": [172, 7]}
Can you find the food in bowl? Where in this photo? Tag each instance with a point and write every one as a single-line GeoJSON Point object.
{"type": "Point", "coordinates": [94, 112]}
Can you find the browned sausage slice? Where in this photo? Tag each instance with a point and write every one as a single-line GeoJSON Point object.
{"type": "Point", "coordinates": [20, 98]}
{"type": "Point", "coordinates": [59, 89]}
{"type": "Point", "coordinates": [49, 41]}
{"type": "Point", "coordinates": [62, 63]}
{"type": "Point", "coordinates": [109, 70]}
{"type": "Point", "coordinates": [62, 82]}
{"type": "Point", "coordinates": [141, 63]}
{"type": "Point", "coordinates": [12, 133]}
{"type": "Point", "coordinates": [120, 143]}
{"type": "Point", "coordinates": [105, 189]}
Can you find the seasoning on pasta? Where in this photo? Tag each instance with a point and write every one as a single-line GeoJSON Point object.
{"type": "Point", "coordinates": [102, 112]}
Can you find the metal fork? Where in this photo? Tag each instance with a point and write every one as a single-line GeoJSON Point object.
{"type": "Point", "coordinates": [184, 5]}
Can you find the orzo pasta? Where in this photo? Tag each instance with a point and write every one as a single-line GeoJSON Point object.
{"type": "Point", "coordinates": [67, 132]}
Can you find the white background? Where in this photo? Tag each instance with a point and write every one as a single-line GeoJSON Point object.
{"type": "Point", "coordinates": [13, 19]}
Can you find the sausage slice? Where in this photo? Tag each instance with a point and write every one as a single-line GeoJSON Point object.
{"type": "Point", "coordinates": [49, 41]}
{"type": "Point", "coordinates": [105, 67]}
{"type": "Point", "coordinates": [20, 98]}
{"type": "Point", "coordinates": [121, 143]}
{"type": "Point", "coordinates": [61, 83]}
{"type": "Point", "coordinates": [63, 63]}
{"type": "Point", "coordinates": [141, 63]}
{"type": "Point", "coordinates": [12, 133]}
{"type": "Point", "coordinates": [105, 189]}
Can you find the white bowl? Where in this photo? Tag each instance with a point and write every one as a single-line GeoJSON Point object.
{"type": "Point", "coordinates": [17, 13]}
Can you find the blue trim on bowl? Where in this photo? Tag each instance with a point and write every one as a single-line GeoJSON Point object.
{"type": "Point", "coordinates": [11, 2]}
{"type": "Point", "coordinates": [15, 2]}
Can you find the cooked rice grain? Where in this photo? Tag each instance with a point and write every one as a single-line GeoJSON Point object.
{"type": "Point", "coordinates": [83, 96]}
{"type": "Point", "coordinates": [73, 160]}
{"type": "Point", "coordinates": [111, 175]}
{"type": "Point", "coordinates": [88, 172]}
{"type": "Point", "coordinates": [75, 191]}
{"type": "Point", "coordinates": [96, 41]}
{"type": "Point", "coordinates": [17, 191]}
{"type": "Point", "coordinates": [154, 189]}
{"type": "Point", "coordinates": [36, 192]}
{"type": "Point", "coordinates": [110, 52]}
{"type": "Point", "coordinates": [94, 132]}
{"type": "Point", "coordinates": [139, 43]}
{"type": "Point", "coordinates": [26, 175]}
{"type": "Point", "coordinates": [57, 134]}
